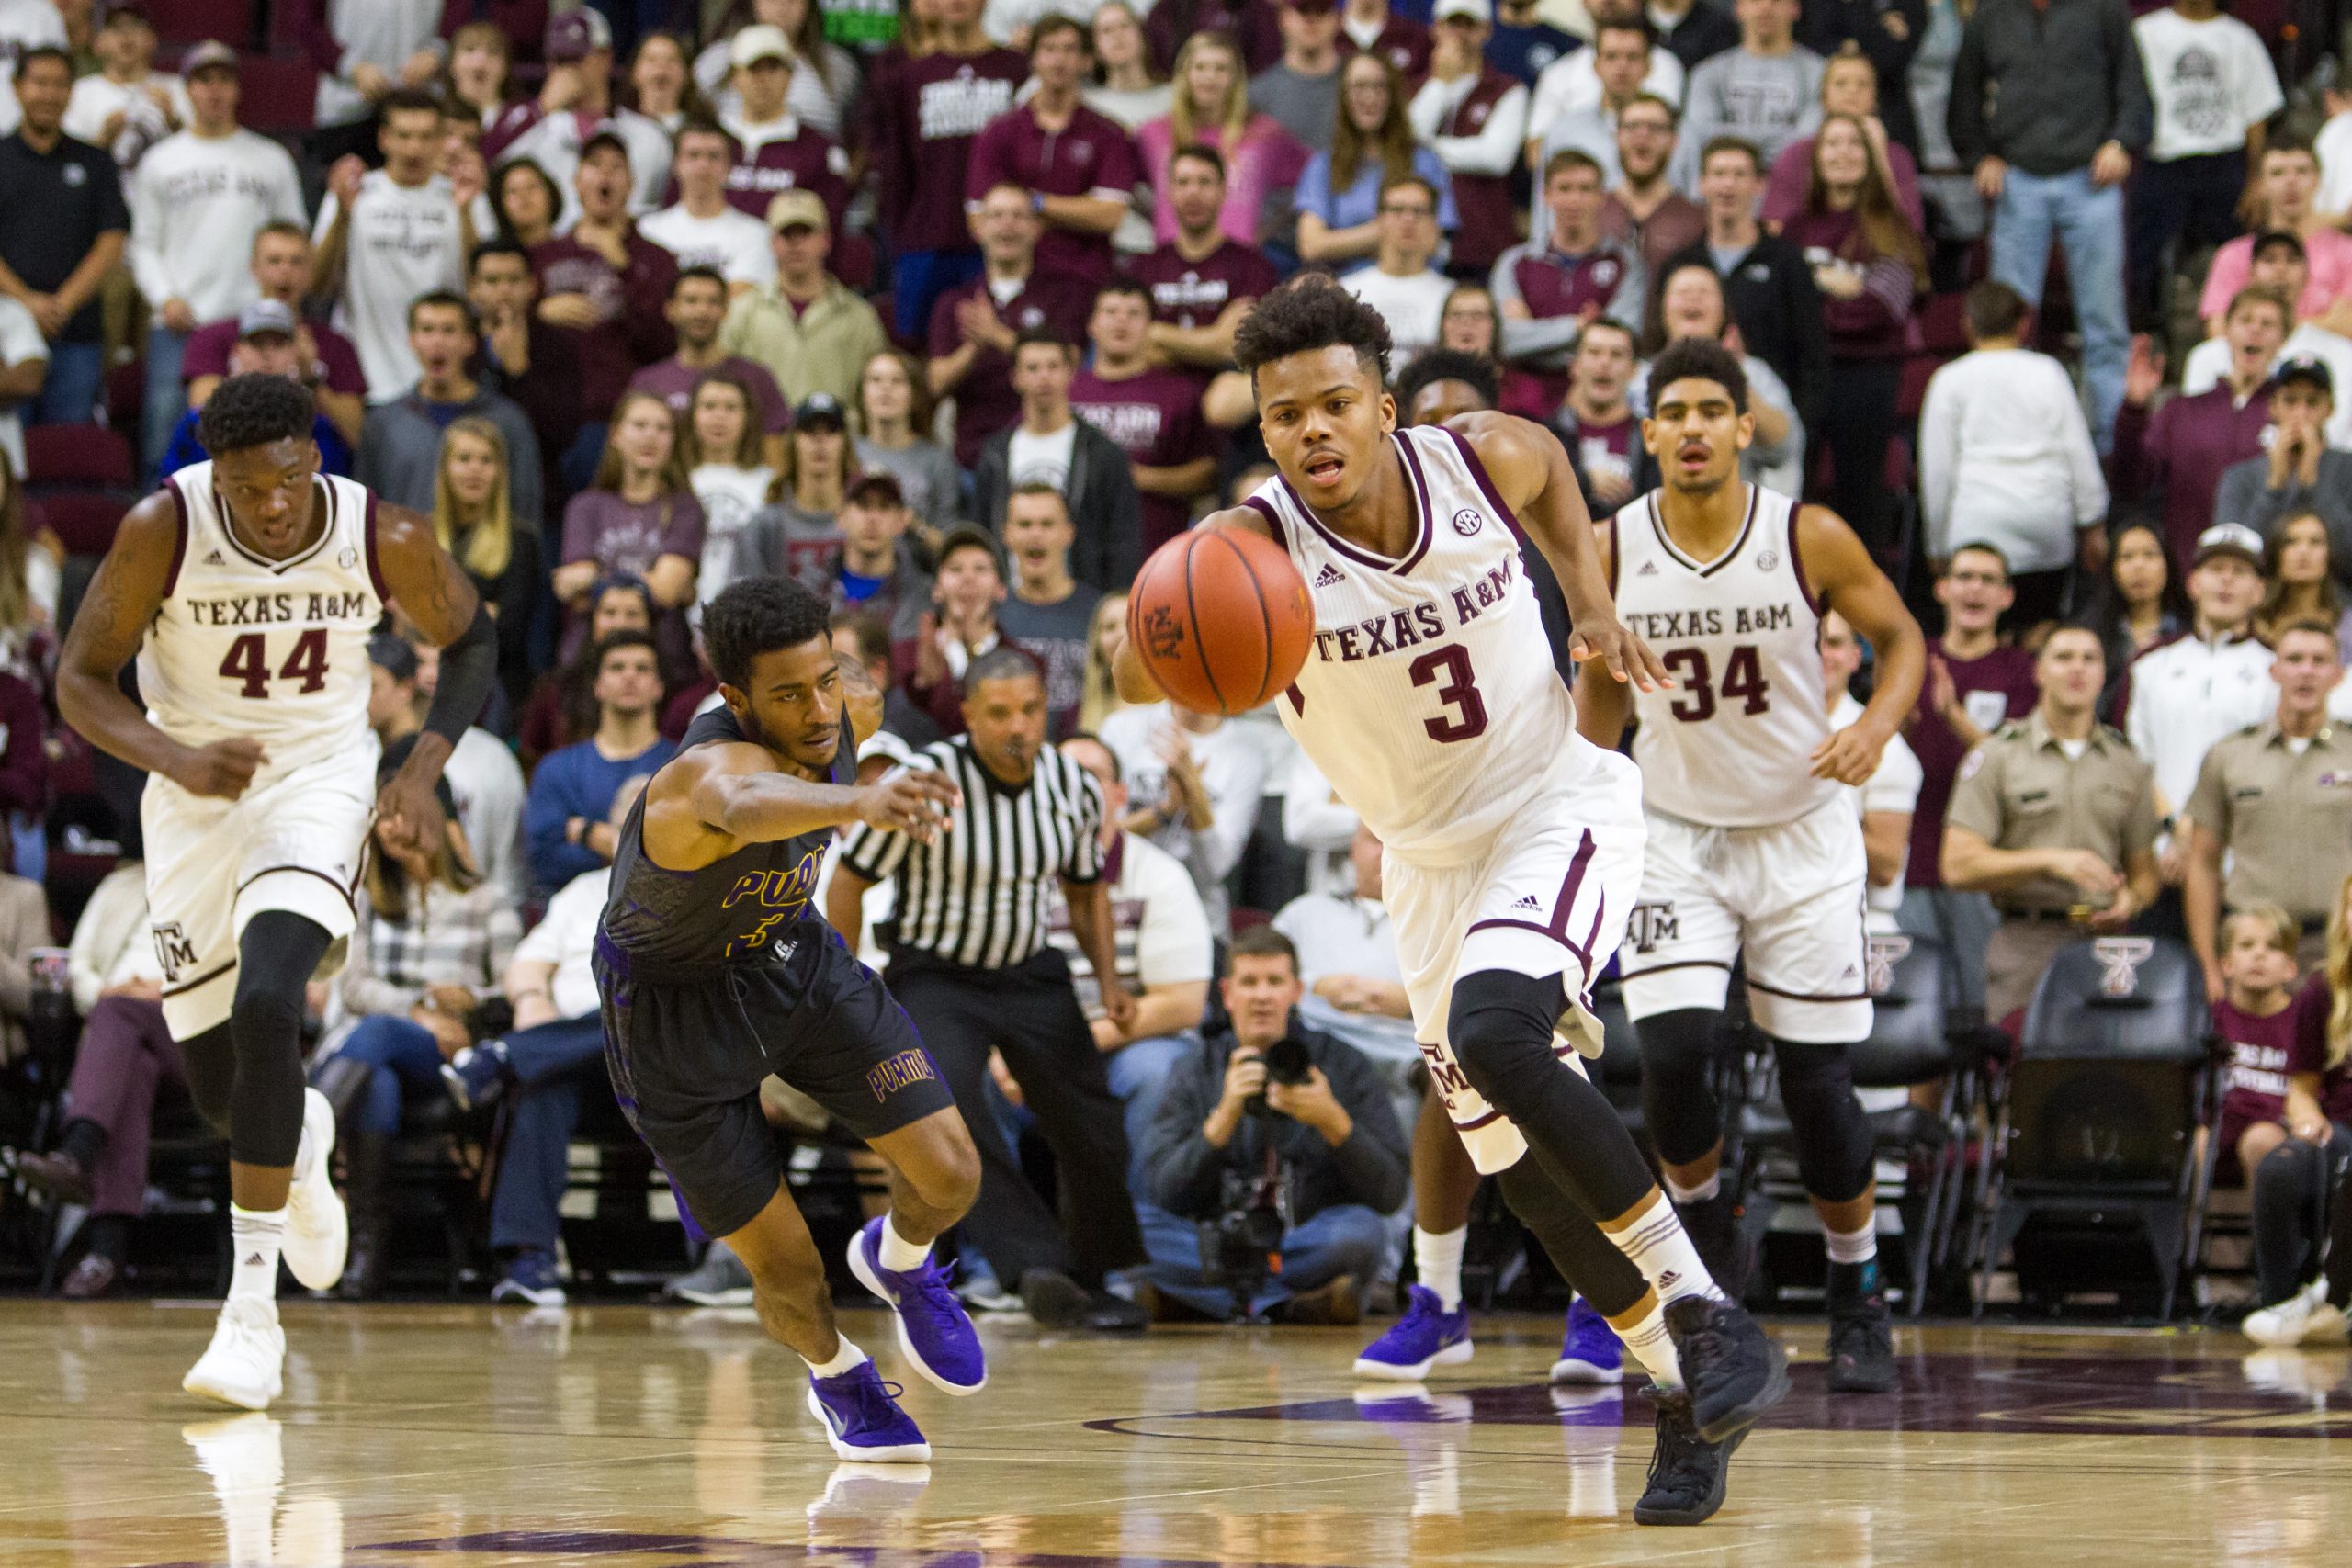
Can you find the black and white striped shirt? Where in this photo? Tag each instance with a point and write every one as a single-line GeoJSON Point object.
{"type": "Point", "coordinates": [977, 895]}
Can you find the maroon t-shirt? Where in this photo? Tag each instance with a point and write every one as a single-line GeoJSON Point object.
{"type": "Point", "coordinates": [1995, 689]}
{"type": "Point", "coordinates": [2181, 452]}
{"type": "Point", "coordinates": [927, 113]}
{"type": "Point", "coordinates": [2313, 1005]}
{"type": "Point", "coordinates": [1155, 419]}
{"type": "Point", "coordinates": [1483, 202]}
{"type": "Point", "coordinates": [809, 161]}
{"type": "Point", "coordinates": [1091, 156]}
{"type": "Point", "coordinates": [674, 384]}
{"type": "Point", "coordinates": [1553, 283]}
{"type": "Point", "coordinates": [1604, 451]}
{"type": "Point", "coordinates": [985, 401]}
{"type": "Point", "coordinates": [630, 330]}
{"type": "Point", "coordinates": [1252, 22]}
{"type": "Point", "coordinates": [1191, 294]}
{"type": "Point", "coordinates": [206, 354]}
{"type": "Point", "coordinates": [1405, 44]}
{"type": "Point", "coordinates": [2260, 1053]}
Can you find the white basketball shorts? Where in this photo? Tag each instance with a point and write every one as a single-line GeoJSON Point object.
{"type": "Point", "coordinates": [1788, 900]}
{"type": "Point", "coordinates": [1548, 895]}
{"type": "Point", "coordinates": [291, 843]}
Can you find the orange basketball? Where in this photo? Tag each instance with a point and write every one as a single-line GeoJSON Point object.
{"type": "Point", "coordinates": [1221, 619]}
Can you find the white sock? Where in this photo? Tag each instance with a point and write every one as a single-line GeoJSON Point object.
{"type": "Point", "coordinates": [1437, 1258]}
{"type": "Point", "coordinates": [844, 1358]}
{"type": "Point", "coordinates": [255, 1235]}
{"type": "Point", "coordinates": [1657, 1244]}
{"type": "Point", "coordinates": [1654, 1348]}
{"type": "Point", "coordinates": [1852, 1246]}
{"type": "Point", "coordinates": [1699, 1194]}
{"type": "Point", "coordinates": [896, 1253]}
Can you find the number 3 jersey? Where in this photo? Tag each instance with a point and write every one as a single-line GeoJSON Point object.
{"type": "Point", "coordinates": [274, 650]}
{"type": "Point", "coordinates": [1730, 744]}
{"type": "Point", "coordinates": [1429, 698]}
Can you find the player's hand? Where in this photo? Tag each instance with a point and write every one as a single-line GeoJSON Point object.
{"type": "Point", "coordinates": [1850, 756]}
{"type": "Point", "coordinates": [914, 801]}
{"type": "Point", "coordinates": [2086, 871]}
{"type": "Point", "coordinates": [222, 770]}
{"type": "Point", "coordinates": [1600, 634]}
{"type": "Point", "coordinates": [1118, 1005]}
{"type": "Point", "coordinates": [408, 814]}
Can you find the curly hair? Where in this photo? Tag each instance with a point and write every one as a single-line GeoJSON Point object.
{"type": "Point", "coordinates": [1311, 312]}
{"type": "Point", "coordinates": [255, 410]}
{"type": "Point", "coordinates": [756, 615]}
{"type": "Point", "coordinates": [1475, 371]}
{"type": "Point", "coordinates": [1696, 357]}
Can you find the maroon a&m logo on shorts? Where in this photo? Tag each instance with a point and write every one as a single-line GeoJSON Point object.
{"type": "Point", "coordinates": [1465, 522]}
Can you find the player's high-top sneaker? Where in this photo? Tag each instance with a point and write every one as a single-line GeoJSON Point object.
{"type": "Point", "coordinates": [318, 1232]}
{"type": "Point", "coordinates": [1862, 1331]}
{"type": "Point", "coordinates": [862, 1419]}
{"type": "Point", "coordinates": [1687, 1472]}
{"type": "Point", "coordinates": [243, 1366]}
{"type": "Point", "coordinates": [1731, 1367]}
{"type": "Point", "coordinates": [1427, 1336]}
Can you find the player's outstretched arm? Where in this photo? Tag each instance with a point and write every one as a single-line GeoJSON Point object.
{"type": "Point", "coordinates": [1845, 579]}
{"type": "Point", "coordinates": [713, 799]}
{"type": "Point", "coordinates": [434, 592]}
{"type": "Point", "coordinates": [1530, 470]}
{"type": "Point", "coordinates": [107, 630]}
{"type": "Point", "coordinates": [1128, 673]}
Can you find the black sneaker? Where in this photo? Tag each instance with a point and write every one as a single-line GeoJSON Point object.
{"type": "Point", "coordinates": [1862, 1331]}
{"type": "Point", "coordinates": [1713, 1224]}
{"type": "Point", "coordinates": [1731, 1368]}
{"type": "Point", "coordinates": [1687, 1472]}
{"type": "Point", "coordinates": [1107, 1313]}
{"type": "Point", "coordinates": [1054, 1299]}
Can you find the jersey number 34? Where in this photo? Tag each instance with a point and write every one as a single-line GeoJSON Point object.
{"type": "Point", "coordinates": [247, 662]}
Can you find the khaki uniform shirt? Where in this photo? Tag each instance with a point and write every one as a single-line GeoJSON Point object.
{"type": "Point", "coordinates": [822, 349]}
{"type": "Point", "coordinates": [2284, 820]}
{"type": "Point", "coordinates": [2019, 790]}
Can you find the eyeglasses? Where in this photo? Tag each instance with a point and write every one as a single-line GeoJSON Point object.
{"type": "Point", "coordinates": [1647, 126]}
{"type": "Point", "coordinates": [1391, 209]}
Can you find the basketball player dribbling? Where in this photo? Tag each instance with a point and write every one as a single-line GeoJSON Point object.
{"type": "Point", "coordinates": [1755, 849]}
{"type": "Point", "coordinates": [248, 587]}
{"type": "Point", "coordinates": [1513, 846]}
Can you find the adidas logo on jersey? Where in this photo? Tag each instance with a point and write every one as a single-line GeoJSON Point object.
{"type": "Point", "coordinates": [1649, 569]}
{"type": "Point", "coordinates": [1527, 903]}
{"type": "Point", "coordinates": [213, 558]}
{"type": "Point", "coordinates": [1329, 576]}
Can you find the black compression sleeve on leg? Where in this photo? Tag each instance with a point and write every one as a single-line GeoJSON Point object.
{"type": "Point", "coordinates": [2286, 1192]}
{"type": "Point", "coordinates": [1677, 1086]}
{"type": "Point", "coordinates": [1500, 1025]}
{"type": "Point", "coordinates": [1587, 1260]}
{"type": "Point", "coordinates": [274, 961]}
{"type": "Point", "coordinates": [1832, 1134]}
{"type": "Point", "coordinates": [211, 1060]}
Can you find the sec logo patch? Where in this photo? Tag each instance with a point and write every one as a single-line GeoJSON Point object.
{"type": "Point", "coordinates": [1465, 522]}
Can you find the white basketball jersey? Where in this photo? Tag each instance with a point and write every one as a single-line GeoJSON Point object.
{"type": "Point", "coordinates": [275, 650]}
{"type": "Point", "coordinates": [1429, 698]}
{"type": "Point", "coordinates": [1730, 744]}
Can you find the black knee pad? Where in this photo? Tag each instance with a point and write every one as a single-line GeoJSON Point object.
{"type": "Point", "coordinates": [274, 961]}
{"type": "Point", "coordinates": [212, 1061]}
{"type": "Point", "coordinates": [1677, 1083]}
{"type": "Point", "coordinates": [1500, 1025]}
{"type": "Point", "coordinates": [1833, 1135]}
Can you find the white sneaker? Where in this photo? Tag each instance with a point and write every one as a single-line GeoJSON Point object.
{"type": "Point", "coordinates": [318, 1232]}
{"type": "Point", "coordinates": [243, 1365]}
{"type": "Point", "coordinates": [2302, 1317]}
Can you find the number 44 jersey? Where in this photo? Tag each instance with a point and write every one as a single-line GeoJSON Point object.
{"type": "Point", "coordinates": [1730, 744]}
{"type": "Point", "coordinates": [274, 650]}
{"type": "Point", "coordinates": [1429, 698]}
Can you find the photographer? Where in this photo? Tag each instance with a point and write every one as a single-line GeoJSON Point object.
{"type": "Point", "coordinates": [1272, 1159]}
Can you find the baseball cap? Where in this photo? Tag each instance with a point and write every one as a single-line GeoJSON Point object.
{"type": "Point", "coordinates": [964, 533]}
{"type": "Point", "coordinates": [575, 35]}
{"type": "Point", "coordinates": [2305, 368]}
{"type": "Point", "coordinates": [877, 487]}
{"type": "Point", "coordinates": [822, 407]}
{"type": "Point", "coordinates": [761, 41]}
{"type": "Point", "coordinates": [1311, 7]}
{"type": "Point", "coordinates": [796, 205]}
{"type": "Point", "coordinates": [266, 318]}
{"type": "Point", "coordinates": [125, 11]}
{"type": "Point", "coordinates": [2230, 539]}
{"type": "Point", "coordinates": [209, 55]}
{"type": "Point", "coordinates": [1477, 10]}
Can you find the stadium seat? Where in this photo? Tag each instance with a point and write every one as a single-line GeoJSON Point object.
{"type": "Point", "coordinates": [2097, 1117]}
{"type": "Point", "coordinates": [182, 22]}
{"type": "Point", "coordinates": [85, 520]}
{"type": "Point", "coordinates": [1943, 324]}
{"type": "Point", "coordinates": [76, 455]}
{"type": "Point", "coordinates": [281, 95]}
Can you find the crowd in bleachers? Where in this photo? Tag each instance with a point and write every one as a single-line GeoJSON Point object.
{"type": "Point", "coordinates": [929, 304]}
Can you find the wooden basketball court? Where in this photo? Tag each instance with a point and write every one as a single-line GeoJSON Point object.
{"type": "Point", "coordinates": [627, 1436]}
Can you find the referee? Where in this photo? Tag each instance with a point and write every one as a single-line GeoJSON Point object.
{"type": "Point", "coordinates": [971, 964]}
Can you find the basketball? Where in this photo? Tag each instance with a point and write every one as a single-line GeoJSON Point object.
{"type": "Point", "coordinates": [1221, 619]}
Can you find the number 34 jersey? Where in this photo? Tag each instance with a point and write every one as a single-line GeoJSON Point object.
{"type": "Point", "coordinates": [274, 650]}
{"type": "Point", "coordinates": [1429, 698]}
{"type": "Point", "coordinates": [1730, 744]}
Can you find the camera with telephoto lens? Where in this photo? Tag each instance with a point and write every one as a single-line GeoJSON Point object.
{"type": "Point", "coordinates": [1286, 1063]}
{"type": "Point", "coordinates": [1238, 1249]}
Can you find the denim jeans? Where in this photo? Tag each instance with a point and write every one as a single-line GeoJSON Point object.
{"type": "Point", "coordinates": [1346, 1238]}
{"type": "Point", "coordinates": [407, 1060]}
{"type": "Point", "coordinates": [167, 394]}
{"type": "Point", "coordinates": [552, 1065]}
{"type": "Point", "coordinates": [1138, 1072]}
{"type": "Point", "coordinates": [69, 395]}
{"type": "Point", "coordinates": [2088, 222]}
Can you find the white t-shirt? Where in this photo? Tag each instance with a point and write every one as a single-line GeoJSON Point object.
{"type": "Point", "coordinates": [99, 99]}
{"type": "Point", "coordinates": [565, 937]}
{"type": "Point", "coordinates": [1320, 824]}
{"type": "Point", "coordinates": [2334, 147]}
{"type": "Point", "coordinates": [382, 33]}
{"type": "Point", "coordinates": [2210, 81]}
{"type": "Point", "coordinates": [195, 205]}
{"type": "Point", "coordinates": [735, 242]}
{"type": "Point", "coordinates": [21, 340]}
{"type": "Point", "coordinates": [1158, 929]}
{"type": "Point", "coordinates": [403, 242]}
{"type": "Point", "coordinates": [487, 784]}
{"type": "Point", "coordinates": [728, 496]}
{"type": "Point", "coordinates": [2207, 364]}
{"type": "Point", "coordinates": [23, 24]}
{"type": "Point", "coordinates": [1233, 770]}
{"type": "Point", "coordinates": [1893, 787]}
{"type": "Point", "coordinates": [1572, 82]}
{"type": "Point", "coordinates": [1411, 306]}
{"type": "Point", "coordinates": [1045, 458]}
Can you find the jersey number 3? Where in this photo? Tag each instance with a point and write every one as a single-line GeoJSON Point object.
{"type": "Point", "coordinates": [248, 663]}
{"type": "Point", "coordinates": [1743, 682]}
{"type": "Point", "coordinates": [1450, 667]}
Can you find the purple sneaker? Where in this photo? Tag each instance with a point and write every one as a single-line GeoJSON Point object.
{"type": "Point", "coordinates": [862, 1419]}
{"type": "Point", "coordinates": [934, 1329]}
{"type": "Point", "coordinates": [1427, 1336]}
{"type": "Point", "coordinates": [1591, 1353]}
